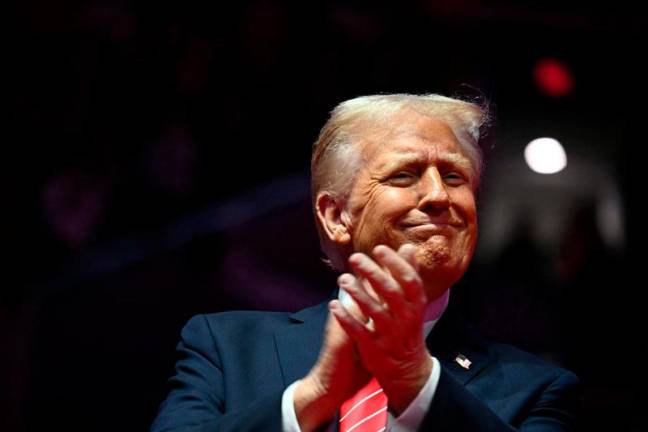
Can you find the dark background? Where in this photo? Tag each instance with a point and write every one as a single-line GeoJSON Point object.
{"type": "Point", "coordinates": [156, 161]}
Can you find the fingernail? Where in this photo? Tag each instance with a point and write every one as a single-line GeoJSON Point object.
{"type": "Point", "coordinates": [408, 248]}
{"type": "Point", "coordinates": [343, 279]}
{"type": "Point", "coordinates": [380, 250]}
{"type": "Point", "coordinates": [356, 258]}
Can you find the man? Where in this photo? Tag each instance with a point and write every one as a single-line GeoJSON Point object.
{"type": "Point", "coordinates": [394, 181]}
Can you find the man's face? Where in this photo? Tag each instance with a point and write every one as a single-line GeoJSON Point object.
{"type": "Point", "coordinates": [415, 185]}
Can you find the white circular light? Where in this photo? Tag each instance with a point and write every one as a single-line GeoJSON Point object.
{"type": "Point", "coordinates": [545, 156]}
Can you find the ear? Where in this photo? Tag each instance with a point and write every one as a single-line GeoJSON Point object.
{"type": "Point", "coordinates": [333, 218]}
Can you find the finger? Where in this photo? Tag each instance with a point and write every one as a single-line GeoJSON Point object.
{"type": "Point", "coordinates": [380, 280]}
{"type": "Point", "coordinates": [402, 271]}
{"type": "Point", "coordinates": [408, 251]}
{"type": "Point", "coordinates": [368, 305]}
{"type": "Point", "coordinates": [354, 328]}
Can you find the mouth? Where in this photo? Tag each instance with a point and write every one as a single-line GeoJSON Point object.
{"type": "Point", "coordinates": [414, 223]}
{"type": "Point", "coordinates": [428, 229]}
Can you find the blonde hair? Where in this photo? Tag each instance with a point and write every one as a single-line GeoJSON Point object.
{"type": "Point", "coordinates": [335, 157]}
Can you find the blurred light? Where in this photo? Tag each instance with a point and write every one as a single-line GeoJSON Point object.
{"type": "Point", "coordinates": [553, 77]}
{"type": "Point", "coordinates": [545, 156]}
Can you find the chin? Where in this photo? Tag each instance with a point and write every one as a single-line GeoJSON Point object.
{"type": "Point", "coordinates": [439, 266]}
{"type": "Point", "coordinates": [436, 253]}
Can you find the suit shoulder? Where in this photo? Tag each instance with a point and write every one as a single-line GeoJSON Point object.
{"type": "Point", "coordinates": [516, 358]}
{"type": "Point", "coordinates": [264, 318]}
{"type": "Point", "coordinates": [233, 324]}
{"type": "Point", "coordinates": [244, 320]}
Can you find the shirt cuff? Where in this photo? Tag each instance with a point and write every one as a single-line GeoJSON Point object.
{"type": "Point", "coordinates": [289, 421]}
{"type": "Point", "coordinates": [410, 420]}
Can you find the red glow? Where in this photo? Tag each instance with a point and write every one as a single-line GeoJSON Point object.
{"type": "Point", "coordinates": [553, 77]}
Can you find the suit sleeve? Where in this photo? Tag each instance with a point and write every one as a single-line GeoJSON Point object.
{"type": "Point", "coordinates": [455, 408]}
{"type": "Point", "coordinates": [196, 400]}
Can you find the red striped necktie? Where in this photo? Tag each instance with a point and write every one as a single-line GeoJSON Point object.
{"type": "Point", "coordinates": [366, 411]}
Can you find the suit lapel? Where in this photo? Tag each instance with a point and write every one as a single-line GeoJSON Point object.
{"type": "Point", "coordinates": [299, 341]}
{"type": "Point", "coordinates": [451, 338]}
{"type": "Point", "coordinates": [478, 360]}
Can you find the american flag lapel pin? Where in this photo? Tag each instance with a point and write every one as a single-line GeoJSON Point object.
{"type": "Point", "coordinates": [463, 361]}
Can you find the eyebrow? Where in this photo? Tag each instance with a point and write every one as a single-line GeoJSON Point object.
{"type": "Point", "coordinates": [407, 158]}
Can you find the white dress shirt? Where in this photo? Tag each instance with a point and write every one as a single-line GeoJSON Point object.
{"type": "Point", "coordinates": [412, 417]}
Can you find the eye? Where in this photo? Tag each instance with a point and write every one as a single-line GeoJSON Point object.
{"type": "Point", "coordinates": [403, 178]}
{"type": "Point", "coordinates": [454, 178]}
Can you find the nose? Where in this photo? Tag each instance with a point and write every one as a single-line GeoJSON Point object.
{"type": "Point", "coordinates": [434, 195]}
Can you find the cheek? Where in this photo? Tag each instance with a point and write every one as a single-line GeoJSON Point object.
{"type": "Point", "coordinates": [464, 202]}
{"type": "Point", "coordinates": [469, 241]}
{"type": "Point", "coordinates": [382, 211]}
{"type": "Point", "coordinates": [386, 204]}
{"type": "Point", "coordinates": [395, 202]}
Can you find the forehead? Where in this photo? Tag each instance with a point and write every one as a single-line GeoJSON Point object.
{"type": "Point", "coordinates": [410, 135]}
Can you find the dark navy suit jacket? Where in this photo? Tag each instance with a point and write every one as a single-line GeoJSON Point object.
{"type": "Point", "coordinates": [234, 366]}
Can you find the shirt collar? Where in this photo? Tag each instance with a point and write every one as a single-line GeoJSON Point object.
{"type": "Point", "coordinates": [433, 312]}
